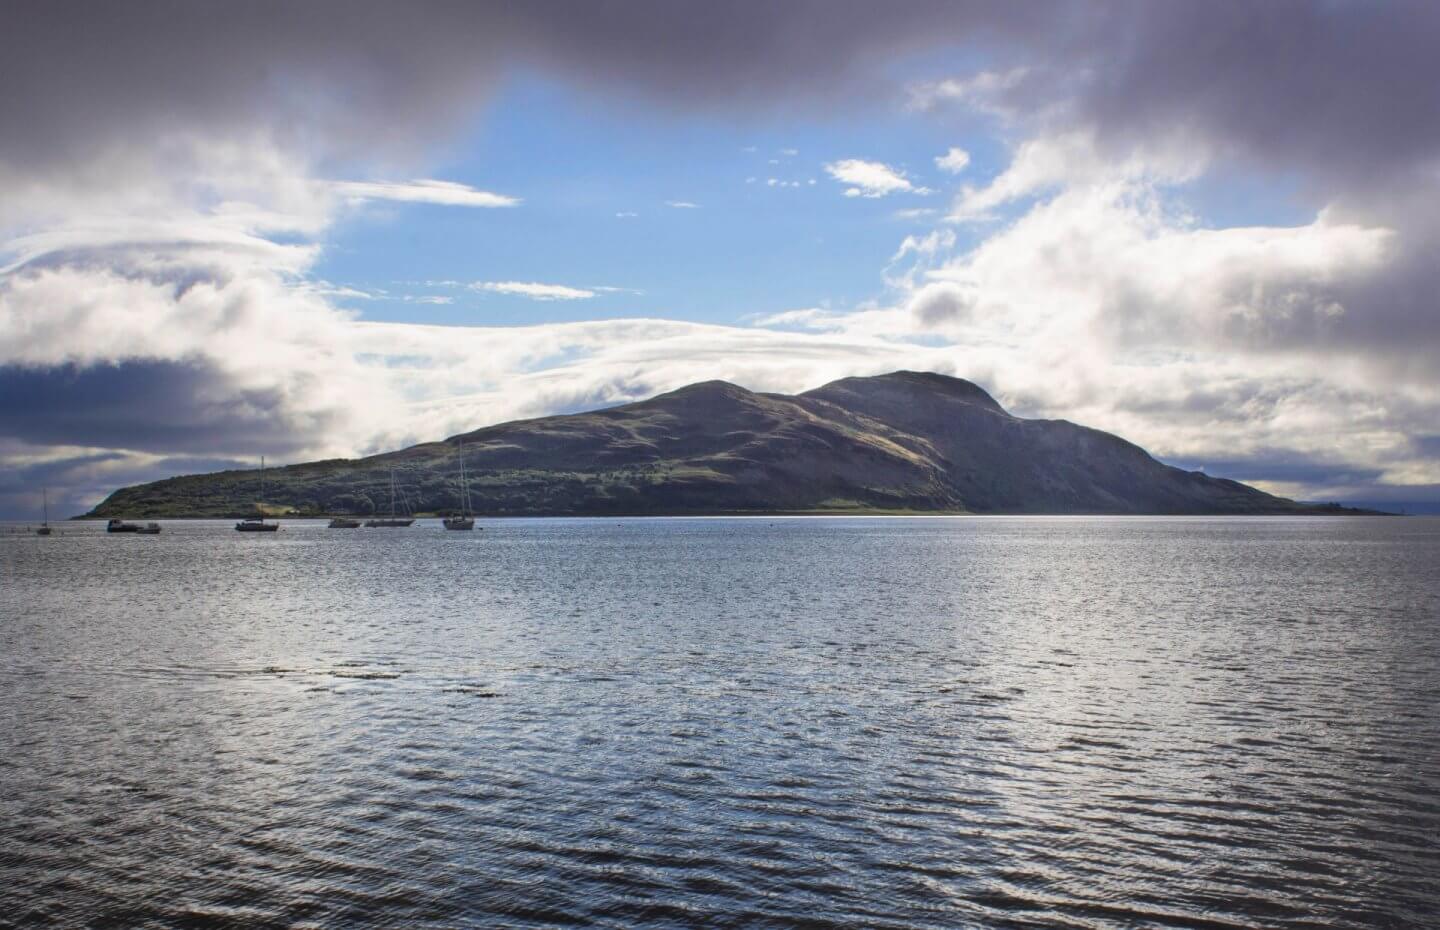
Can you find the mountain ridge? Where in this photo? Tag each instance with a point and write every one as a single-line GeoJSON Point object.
{"type": "Point", "coordinates": [907, 441]}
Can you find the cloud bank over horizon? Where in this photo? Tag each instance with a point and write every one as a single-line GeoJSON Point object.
{"type": "Point", "coordinates": [164, 215]}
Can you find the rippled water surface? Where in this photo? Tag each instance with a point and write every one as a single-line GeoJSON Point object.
{"type": "Point", "coordinates": [729, 722]}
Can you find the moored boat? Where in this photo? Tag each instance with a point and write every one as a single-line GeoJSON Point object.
{"type": "Point", "coordinates": [44, 529]}
{"type": "Point", "coordinates": [120, 526]}
{"type": "Point", "coordinates": [464, 520]}
{"type": "Point", "coordinates": [343, 523]}
{"type": "Point", "coordinates": [255, 524]}
{"type": "Point", "coordinates": [149, 529]}
{"type": "Point", "coordinates": [393, 520]}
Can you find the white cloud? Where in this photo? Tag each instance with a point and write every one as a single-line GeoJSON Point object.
{"type": "Point", "coordinates": [871, 178]}
{"type": "Point", "coordinates": [534, 290]}
{"type": "Point", "coordinates": [983, 92]}
{"type": "Point", "coordinates": [626, 215]}
{"type": "Point", "coordinates": [953, 161]}
{"type": "Point", "coordinates": [1102, 306]}
{"type": "Point", "coordinates": [423, 190]}
{"type": "Point", "coordinates": [342, 291]}
{"type": "Point", "coordinates": [936, 241]}
{"type": "Point", "coordinates": [1072, 159]}
{"type": "Point", "coordinates": [682, 205]}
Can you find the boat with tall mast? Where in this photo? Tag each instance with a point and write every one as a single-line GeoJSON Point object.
{"type": "Point", "coordinates": [45, 529]}
{"type": "Point", "coordinates": [466, 518]}
{"type": "Point", "coordinates": [257, 524]}
{"type": "Point", "coordinates": [393, 520]}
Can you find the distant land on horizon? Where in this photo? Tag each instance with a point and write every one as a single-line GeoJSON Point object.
{"type": "Point", "coordinates": [905, 442]}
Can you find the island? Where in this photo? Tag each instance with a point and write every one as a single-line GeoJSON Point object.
{"type": "Point", "coordinates": [905, 442]}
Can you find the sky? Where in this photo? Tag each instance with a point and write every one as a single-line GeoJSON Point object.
{"type": "Point", "coordinates": [331, 229]}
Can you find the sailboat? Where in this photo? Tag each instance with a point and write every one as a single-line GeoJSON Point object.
{"type": "Point", "coordinates": [45, 529]}
{"type": "Point", "coordinates": [465, 521]}
{"type": "Point", "coordinates": [392, 520]}
{"type": "Point", "coordinates": [257, 523]}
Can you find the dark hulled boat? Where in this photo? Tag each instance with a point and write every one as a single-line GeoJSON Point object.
{"type": "Point", "coordinates": [464, 520]}
{"type": "Point", "coordinates": [257, 524]}
{"type": "Point", "coordinates": [392, 520]}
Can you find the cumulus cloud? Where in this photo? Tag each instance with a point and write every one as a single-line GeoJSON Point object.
{"type": "Point", "coordinates": [953, 161]}
{"type": "Point", "coordinates": [682, 205]}
{"type": "Point", "coordinates": [534, 290]}
{"type": "Point", "coordinates": [871, 178]}
{"type": "Point", "coordinates": [1048, 163]}
{"type": "Point", "coordinates": [206, 332]}
{"type": "Point", "coordinates": [1239, 347]}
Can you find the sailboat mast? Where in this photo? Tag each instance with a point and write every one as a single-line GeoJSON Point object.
{"type": "Point", "coordinates": [45, 495]}
{"type": "Point", "coordinates": [464, 485]}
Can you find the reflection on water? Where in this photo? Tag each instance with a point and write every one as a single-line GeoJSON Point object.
{"type": "Point", "coordinates": [1025, 722]}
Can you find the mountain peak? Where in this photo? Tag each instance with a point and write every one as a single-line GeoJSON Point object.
{"type": "Point", "coordinates": [701, 398]}
{"type": "Point", "coordinates": [714, 387]}
{"type": "Point", "coordinates": [905, 384]}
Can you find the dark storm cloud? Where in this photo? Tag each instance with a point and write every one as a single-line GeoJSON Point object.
{"type": "Point", "coordinates": [1290, 466]}
{"type": "Point", "coordinates": [147, 406]}
{"type": "Point", "coordinates": [76, 483]}
{"type": "Point", "coordinates": [1339, 90]}
{"type": "Point", "coordinates": [328, 74]}
{"type": "Point", "coordinates": [1347, 91]}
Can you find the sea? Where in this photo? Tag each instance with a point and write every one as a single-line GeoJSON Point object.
{"type": "Point", "coordinates": [1009, 722]}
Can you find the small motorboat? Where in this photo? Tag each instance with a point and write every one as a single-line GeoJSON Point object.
{"type": "Point", "coordinates": [344, 523]}
{"type": "Point", "coordinates": [120, 526]}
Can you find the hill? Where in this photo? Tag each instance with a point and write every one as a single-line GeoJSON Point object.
{"type": "Point", "coordinates": [906, 441]}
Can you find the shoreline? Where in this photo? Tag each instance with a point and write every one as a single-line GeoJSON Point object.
{"type": "Point", "coordinates": [1315, 512]}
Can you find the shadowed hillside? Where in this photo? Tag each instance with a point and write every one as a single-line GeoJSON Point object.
{"type": "Point", "coordinates": [905, 441]}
